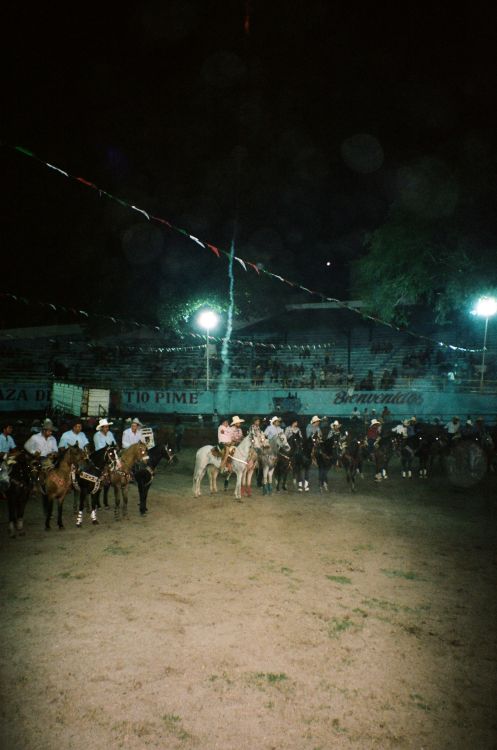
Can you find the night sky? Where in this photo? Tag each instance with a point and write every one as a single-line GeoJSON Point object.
{"type": "Point", "coordinates": [294, 136]}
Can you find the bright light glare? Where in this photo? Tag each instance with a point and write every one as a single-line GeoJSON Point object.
{"type": "Point", "coordinates": [208, 319]}
{"type": "Point", "coordinates": [485, 307]}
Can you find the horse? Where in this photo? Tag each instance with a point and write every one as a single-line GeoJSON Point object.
{"type": "Point", "coordinates": [243, 463]}
{"type": "Point", "coordinates": [92, 475]}
{"type": "Point", "coordinates": [120, 476]}
{"type": "Point", "coordinates": [325, 456]}
{"type": "Point", "coordinates": [352, 452]}
{"type": "Point", "coordinates": [56, 482]}
{"type": "Point", "coordinates": [298, 461]}
{"type": "Point", "coordinates": [23, 475]}
{"type": "Point", "coordinates": [269, 456]}
{"type": "Point", "coordinates": [383, 451]}
{"type": "Point", "coordinates": [144, 472]}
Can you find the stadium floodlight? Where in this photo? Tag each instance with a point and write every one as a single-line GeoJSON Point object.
{"type": "Point", "coordinates": [485, 308]}
{"type": "Point", "coordinates": [207, 319]}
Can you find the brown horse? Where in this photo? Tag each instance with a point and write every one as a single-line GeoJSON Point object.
{"type": "Point", "coordinates": [120, 476]}
{"type": "Point", "coordinates": [56, 482]}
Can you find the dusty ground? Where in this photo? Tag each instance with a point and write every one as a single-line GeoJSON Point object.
{"type": "Point", "coordinates": [295, 622]}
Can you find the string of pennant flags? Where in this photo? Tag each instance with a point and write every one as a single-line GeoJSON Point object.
{"type": "Point", "coordinates": [245, 264]}
{"type": "Point", "coordinates": [191, 334]}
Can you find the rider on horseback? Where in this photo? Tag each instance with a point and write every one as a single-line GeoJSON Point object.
{"type": "Point", "coordinates": [229, 437]}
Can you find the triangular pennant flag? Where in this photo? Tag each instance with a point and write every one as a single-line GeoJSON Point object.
{"type": "Point", "coordinates": [141, 211]}
{"type": "Point", "coordinates": [241, 262]}
{"type": "Point", "coordinates": [214, 249]}
{"type": "Point", "coordinates": [57, 169]}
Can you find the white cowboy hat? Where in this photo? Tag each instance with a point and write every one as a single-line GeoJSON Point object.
{"type": "Point", "coordinates": [103, 423]}
{"type": "Point", "coordinates": [275, 419]}
{"type": "Point", "coordinates": [236, 420]}
{"type": "Point", "coordinates": [137, 421]}
{"type": "Point", "coordinates": [336, 423]}
{"type": "Point", "coordinates": [47, 425]}
{"type": "Point", "coordinates": [406, 422]}
{"type": "Point", "coordinates": [315, 419]}
{"type": "Point", "coordinates": [375, 421]}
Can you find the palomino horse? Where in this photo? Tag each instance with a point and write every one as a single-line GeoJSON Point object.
{"type": "Point", "coordinates": [56, 482]}
{"type": "Point", "coordinates": [120, 476]}
{"type": "Point", "coordinates": [144, 472]}
{"type": "Point", "coordinates": [278, 445]}
{"type": "Point", "coordinates": [242, 463]}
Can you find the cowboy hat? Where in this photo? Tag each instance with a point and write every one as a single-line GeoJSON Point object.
{"type": "Point", "coordinates": [336, 423]}
{"type": "Point", "coordinates": [236, 420]}
{"type": "Point", "coordinates": [375, 421]}
{"type": "Point", "coordinates": [315, 419]}
{"type": "Point", "coordinates": [256, 419]}
{"type": "Point", "coordinates": [137, 421]}
{"type": "Point", "coordinates": [275, 419]}
{"type": "Point", "coordinates": [103, 423]}
{"type": "Point", "coordinates": [47, 425]}
{"type": "Point", "coordinates": [406, 422]}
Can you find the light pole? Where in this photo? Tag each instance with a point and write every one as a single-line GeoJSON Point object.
{"type": "Point", "coordinates": [485, 308]}
{"type": "Point", "coordinates": [207, 319]}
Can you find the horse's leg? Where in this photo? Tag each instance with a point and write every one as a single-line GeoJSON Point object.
{"type": "Point", "coordinates": [21, 502]}
{"type": "Point", "coordinates": [11, 501]}
{"type": "Point", "coordinates": [142, 492]}
{"type": "Point", "coordinates": [81, 509]}
{"type": "Point", "coordinates": [124, 490]}
{"type": "Point", "coordinates": [270, 480]}
{"type": "Point", "coordinates": [238, 487]}
{"type": "Point", "coordinates": [48, 509]}
{"type": "Point", "coordinates": [106, 495]}
{"type": "Point", "coordinates": [117, 502]}
{"type": "Point", "coordinates": [250, 473]}
{"type": "Point", "coordinates": [60, 505]}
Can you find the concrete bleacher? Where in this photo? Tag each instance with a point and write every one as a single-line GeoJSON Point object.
{"type": "Point", "coordinates": [338, 348]}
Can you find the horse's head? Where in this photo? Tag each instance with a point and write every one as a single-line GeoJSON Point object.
{"type": "Point", "coordinates": [4, 474]}
{"type": "Point", "coordinates": [258, 440]}
{"type": "Point", "coordinates": [140, 452]}
{"type": "Point", "coordinates": [282, 442]}
{"type": "Point", "coordinates": [111, 457]}
{"type": "Point", "coordinates": [169, 454]}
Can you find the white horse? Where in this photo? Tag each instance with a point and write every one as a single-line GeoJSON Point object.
{"type": "Point", "coordinates": [242, 464]}
{"type": "Point", "coordinates": [278, 445]}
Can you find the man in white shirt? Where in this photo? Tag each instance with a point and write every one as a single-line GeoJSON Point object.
{"type": "Point", "coordinates": [274, 428]}
{"type": "Point", "coordinates": [313, 429]}
{"type": "Point", "coordinates": [103, 436]}
{"type": "Point", "coordinates": [42, 443]}
{"type": "Point", "coordinates": [132, 435]}
{"type": "Point", "coordinates": [74, 435]}
{"type": "Point", "coordinates": [453, 427]}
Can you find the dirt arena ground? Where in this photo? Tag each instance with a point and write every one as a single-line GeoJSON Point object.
{"type": "Point", "coordinates": [290, 622]}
